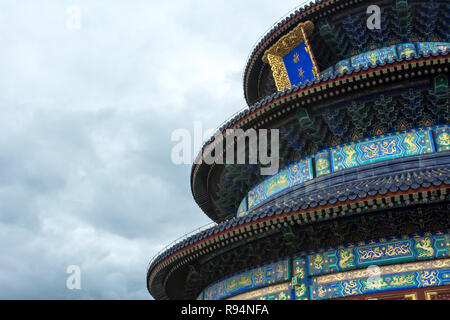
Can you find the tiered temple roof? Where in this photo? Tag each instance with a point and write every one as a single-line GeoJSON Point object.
{"type": "Point", "coordinates": [387, 86]}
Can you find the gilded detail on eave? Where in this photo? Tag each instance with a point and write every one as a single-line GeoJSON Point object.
{"type": "Point", "coordinates": [275, 54]}
{"type": "Point", "coordinates": [288, 42]}
{"type": "Point", "coordinates": [279, 72]}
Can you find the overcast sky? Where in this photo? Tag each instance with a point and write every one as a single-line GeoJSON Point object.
{"type": "Point", "coordinates": [86, 119]}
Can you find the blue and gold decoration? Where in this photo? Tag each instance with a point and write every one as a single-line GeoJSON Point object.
{"type": "Point", "coordinates": [293, 175]}
{"type": "Point", "coordinates": [390, 278]}
{"type": "Point", "coordinates": [243, 207]}
{"type": "Point", "coordinates": [277, 292]}
{"type": "Point", "coordinates": [323, 163]}
{"type": "Point", "coordinates": [431, 247]}
{"type": "Point", "coordinates": [367, 59]}
{"type": "Point", "coordinates": [291, 58]}
{"type": "Point", "coordinates": [299, 65]}
{"type": "Point", "coordinates": [342, 67]}
{"type": "Point", "coordinates": [300, 279]}
{"type": "Point", "coordinates": [359, 153]}
{"type": "Point", "coordinates": [273, 273]}
{"type": "Point", "coordinates": [384, 148]}
{"type": "Point", "coordinates": [433, 47]}
{"type": "Point", "coordinates": [327, 73]}
{"type": "Point", "coordinates": [407, 50]}
{"type": "Point", "coordinates": [359, 208]}
{"type": "Point", "coordinates": [417, 261]}
{"type": "Point", "coordinates": [442, 139]}
{"type": "Point", "coordinates": [380, 254]}
{"type": "Point", "coordinates": [374, 57]}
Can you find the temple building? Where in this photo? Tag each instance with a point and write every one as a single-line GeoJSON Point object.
{"type": "Point", "coordinates": [360, 206]}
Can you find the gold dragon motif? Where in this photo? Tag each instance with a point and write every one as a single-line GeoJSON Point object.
{"type": "Point", "coordinates": [424, 248]}
{"type": "Point", "coordinates": [346, 259]}
{"type": "Point", "coordinates": [410, 145]}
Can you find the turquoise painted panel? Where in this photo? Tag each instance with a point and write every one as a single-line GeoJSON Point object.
{"type": "Point", "coordinates": [384, 148]}
{"type": "Point", "coordinates": [323, 163]}
{"type": "Point", "coordinates": [283, 295]}
{"type": "Point", "coordinates": [385, 253]}
{"type": "Point", "coordinates": [342, 66]}
{"type": "Point", "coordinates": [413, 262]}
{"type": "Point", "coordinates": [300, 279]}
{"type": "Point", "coordinates": [374, 57]}
{"type": "Point", "coordinates": [406, 49]}
{"type": "Point", "coordinates": [255, 278]}
{"type": "Point", "coordinates": [420, 248]}
{"type": "Point", "coordinates": [200, 296]}
{"type": "Point", "coordinates": [243, 208]}
{"type": "Point", "coordinates": [299, 65]}
{"type": "Point", "coordinates": [379, 55]}
{"type": "Point", "coordinates": [293, 175]}
{"type": "Point", "coordinates": [332, 261]}
{"type": "Point", "coordinates": [432, 47]}
{"type": "Point", "coordinates": [383, 283]}
{"type": "Point", "coordinates": [442, 138]}
{"type": "Point", "coordinates": [403, 144]}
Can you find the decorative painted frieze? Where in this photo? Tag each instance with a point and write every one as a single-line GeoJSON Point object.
{"type": "Point", "coordinates": [300, 275]}
{"type": "Point", "coordinates": [412, 262]}
{"type": "Point", "coordinates": [442, 139]}
{"type": "Point", "coordinates": [384, 148]}
{"type": "Point", "coordinates": [277, 292]}
{"type": "Point", "coordinates": [295, 174]}
{"type": "Point", "coordinates": [338, 260]}
{"type": "Point", "coordinates": [276, 272]}
{"type": "Point", "coordinates": [374, 57]}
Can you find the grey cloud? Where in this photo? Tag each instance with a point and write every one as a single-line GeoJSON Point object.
{"type": "Point", "coordinates": [85, 123]}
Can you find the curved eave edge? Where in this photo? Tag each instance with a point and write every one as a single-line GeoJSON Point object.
{"type": "Point", "coordinates": [158, 275]}
{"type": "Point", "coordinates": [201, 243]}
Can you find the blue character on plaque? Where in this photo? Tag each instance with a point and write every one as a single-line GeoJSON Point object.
{"type": "Point", "coordinates": [300, 65]}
